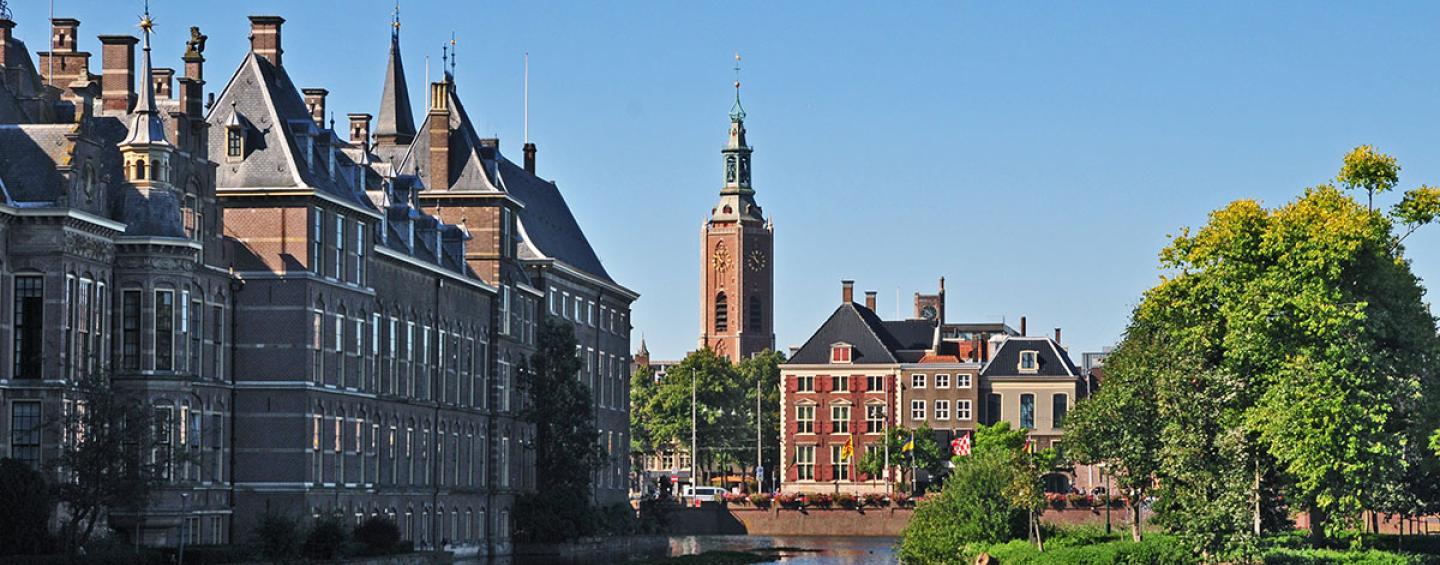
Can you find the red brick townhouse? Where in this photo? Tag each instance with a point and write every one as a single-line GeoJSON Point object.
{"type": "Point", "coordinates": [848, 382]}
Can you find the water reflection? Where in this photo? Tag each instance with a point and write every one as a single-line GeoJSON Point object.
{"type": "Point", "coordinates": [790, 550]}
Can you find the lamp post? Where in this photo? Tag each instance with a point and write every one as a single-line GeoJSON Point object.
{"type": "Point", "coordinates": [184, 509]}
{"type": "Point", "coordinates": [694, 445]}
{"type": "Point", "coordinates": [1101, 465]}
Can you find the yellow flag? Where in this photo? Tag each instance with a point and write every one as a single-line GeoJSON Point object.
{"type": "Point", "coordinates": [909, 446]}
{"type": "Point", "coordinates": [849, 449]}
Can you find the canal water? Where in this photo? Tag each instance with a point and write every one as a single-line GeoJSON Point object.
{"type": "Point", "coordinates": [789, 550]}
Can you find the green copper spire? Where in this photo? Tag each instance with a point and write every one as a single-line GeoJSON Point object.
{"type": "Point", "coordinates": [737, 112]}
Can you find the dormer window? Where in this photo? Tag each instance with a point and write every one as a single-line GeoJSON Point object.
{"type": "Point", "coordinates": [841, 353]}
{"type": "Point", "coordinates": [234, 142]}
{"type": "Point", "coordinates": [1029, 361]}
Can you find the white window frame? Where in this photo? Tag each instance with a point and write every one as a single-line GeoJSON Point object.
{"type": "Point", "coordinates": [942, 380]}
{"type": "Point", "coordinates": [917, 410]}
{"type": "Point", "coordinates": [917, 381]}
{"type": "Point", "coordinates": [942, 410]}
{"type": "Point", "coordinates": [963, 409]}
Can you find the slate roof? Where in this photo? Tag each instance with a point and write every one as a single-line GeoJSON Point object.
{"type": "Point", "coordinates": [26, 84]}
{"type": "Point", "coordinates": [853, 324]}
{"type": "Point", "coordinates": [549, 229]}
{"type": "Point", "coordinates": [1054, 361]}
{"type": "Point", "coordinates": [275, 116]}
{"type": "Point", "coordinates": [395, 117]}
{"type": "Point", "coordinates": [29, 159]}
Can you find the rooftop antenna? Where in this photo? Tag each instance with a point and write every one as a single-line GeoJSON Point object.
{"type": "Point", "coordinates": [527, 97]}
{"type": "Point", "coordinates": [444, 60]}
{"type": "Point", "coordinates": [452, 55]}
{"type": "Point", "coordinates": [395, 21]}
{"type": "Point", "coordinates": [50, 61]}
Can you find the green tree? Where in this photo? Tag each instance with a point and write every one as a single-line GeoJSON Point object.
{"type": "Point", "coordinates": [1116, 426]}
{"type": "Point", "coordinates": [1305, 361]}
{"type": "Point", "coordinates": [928, 455]}
{"type": "Point", "coordinates": [26, 500]}
{"type": "Point", "coordinates": [993, 495]}
{"type": "Point", "coordinates": [764, 369]}
{"type": "Point", "coordinates": [720, 414]}
{"type": "Point", "coordinates": [104, 463]}
{"type": "Point", "coordinates": [567, 444]}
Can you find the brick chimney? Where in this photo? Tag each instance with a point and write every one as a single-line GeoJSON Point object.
{"type": "Point", "coordinates": [870, 300]}
{"type": "Point", "coordinates": [529, 150]}
{"type": "Point", "coordinates": [360, 129]}
{"type": "Point", "coordinates": [315, 101]}
{"type": "Point", "coordinates": [117, 68]}
{"type": "Point", "coordinates": [1057, 336]}
{"type": "Point", "coordinates": [6, 37]}
{"type": "Point", "coordinates": [265, 37]}
{"type": "Point", "coordinates": [1022, 326]}
{"type": "Point", "coordinates": [439, 132]}
{"type": "Point", "coordinates": [63, 32]}
{"type": "Point", "coordinates": [847, 291]}
{"type": "Point", "coordinates": [164, 82]}
{"type": "Point", "coordinates": [192, 92]}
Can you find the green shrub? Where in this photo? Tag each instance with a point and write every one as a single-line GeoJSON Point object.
{"type": "Point", "coordinates": [377, 535]}
{"type": "Point", "coordinates": [972, 509]}
{"type": "Point", "coordinates": [326, 538]}
{"type": "Point", "coordinates": [278, 537]}
{"type": "Point", "coordinates": [1288, 556]}
{"type": "Point", "coordinates": [25, 499]}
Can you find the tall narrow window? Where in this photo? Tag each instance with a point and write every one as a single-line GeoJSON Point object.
{"type": "Point", "coordinates": [29, 325]}
{"type": "Point", "coordinates": [1059, 405]}
{"type": "Point", "coordinates": [993, 412]}
{"type": "Point", "coordinates": [339, 268]}
{"type": "Point", "coordinates": [130, 330]}
{"type": "Point", "coordinates": [317, 241]}
{"type": "Point", "coordinates": [839, 466]}
{"type": "Point", "coordinates": [164, 330]}
{"type": "Point", "coordinates": [360, 253]}
{"type": "Point", "coordinates": [160, 453]}
{"type": "Point", "coordinates": [317, 342]}
{"type": "Point", "coordinates": [1027, 411]}
{"type": "Point", "coordinates": [25, 432]}
{"type": "Point", "coordinates": [234, 141]}
{"type": "Point", "coordinates": [197, 307]}
{"type": "Point", "coordinates": [83, 327]}
{"type": "Point", "coordinates": [722, 314]}
{"type": "Point", "coordinates": [217, 339]}
{"type": "Point", "coordinates": [181, 351]}
{"type": "Point", "coordinates": [754, 322]}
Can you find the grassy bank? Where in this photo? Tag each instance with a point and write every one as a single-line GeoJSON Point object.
{"type": "Point", "coordinates": [1093, 547]}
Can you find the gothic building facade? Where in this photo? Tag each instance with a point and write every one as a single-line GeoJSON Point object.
{"type": "Point", "coordinates": [322, 323]}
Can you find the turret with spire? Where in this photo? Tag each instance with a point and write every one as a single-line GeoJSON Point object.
{"type": "Point", "coordinates": [396, 123]}
{"type": "Point", "coordinates": [145, 149]}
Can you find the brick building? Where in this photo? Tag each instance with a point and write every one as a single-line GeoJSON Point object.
{"type": "Point", "coordinates": [859, 375]}
{"type": "Point", "coordinates": [321, 326]}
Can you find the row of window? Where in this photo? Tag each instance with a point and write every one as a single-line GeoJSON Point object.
{"type": "Point", "coordinates": [337, 247]}
{"type": "Point", "coordinates": [184, 337]}
{"type": "Point", "coordinates": [517, 315]}
{"type": "Point", "coordinates": [963, 410]}
{"type": "Point", "coordinates": [356, 451]}
{"type": "Point", "coordinates": [391, 355]}
{"type": "Point", "coordinates": [468, 527]}
{"type": "Point", "coordinates": [839, 419]}
{"type": "Point", "coordinates": [840, 467]}
{"type": "Point", "coordinates": [807, 383]}
{"type": "Point", "coordinates": [605, 375]}
{"type": "Point", "coordinates": [942, 380]}
{"type": "Point", "coordinates": [582, 311]}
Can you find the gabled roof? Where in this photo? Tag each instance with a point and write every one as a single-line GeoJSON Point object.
{"type": "Point", "coordinates": [855, 325]}
{"type": "Point", "coordinates": [1053, 360]}
{"type": "Point", "coordinates": [549, 229]}
{"type": "Point", "coordinates": [275, 115]}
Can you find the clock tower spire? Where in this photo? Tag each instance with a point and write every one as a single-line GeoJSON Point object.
{"type": "Point", "coordinates": [737, 245]}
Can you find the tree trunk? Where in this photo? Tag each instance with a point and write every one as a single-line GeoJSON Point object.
{"type": "Point", "coordinates": [1039, 538]}
{"type": "Point", "coordinates": [1135, 521]}
{"type": "Point", "coordinates": [1317, 526]}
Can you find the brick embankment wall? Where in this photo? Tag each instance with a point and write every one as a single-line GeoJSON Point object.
{"type": "Point", "coordinates": [743, 520]}
{"type": "Point", "coordinates": [748, 520]}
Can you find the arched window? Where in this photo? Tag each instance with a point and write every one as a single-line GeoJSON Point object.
{"type": "Point", "coordinates": [722, 313]}
{"type": "Point", "coordinates": [754, 320]}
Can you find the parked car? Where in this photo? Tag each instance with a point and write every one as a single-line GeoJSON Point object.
{"type": "Point", "coordinates": [704, 494]}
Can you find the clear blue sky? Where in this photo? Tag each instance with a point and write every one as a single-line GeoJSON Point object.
{"type": "Point", "coordinates": [1036, 155]}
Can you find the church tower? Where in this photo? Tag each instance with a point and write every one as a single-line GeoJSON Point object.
{"type": "Point", "coordinates": [737, 282]}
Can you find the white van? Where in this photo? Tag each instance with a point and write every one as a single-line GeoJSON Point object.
{"type": "Point", "coordinates": [704, 494]}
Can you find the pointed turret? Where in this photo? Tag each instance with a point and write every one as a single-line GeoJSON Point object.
{"type": "Point", "coordinates": [396, 125]}
{"type": "Point", "coordinates": [145, 149]}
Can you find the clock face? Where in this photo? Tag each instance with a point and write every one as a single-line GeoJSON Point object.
{"type": "Point", "coordinates": [720, 260]}
{"type": "Point", "coordinates": [756, 261]}
{"type": "Point", "coordinates": [928, 312]}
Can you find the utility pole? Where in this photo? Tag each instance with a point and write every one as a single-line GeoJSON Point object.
{"type": "Point", "coordinates": [694, 442]}
{"type": "Point", "coordinates": [759, 463]}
